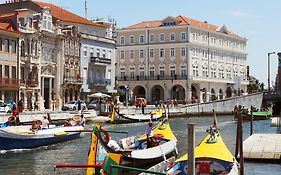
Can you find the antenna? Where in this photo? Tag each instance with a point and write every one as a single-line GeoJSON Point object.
{"type": "Point", "coordinates": [86, 9]}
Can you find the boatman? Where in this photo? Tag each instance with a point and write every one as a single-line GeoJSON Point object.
{"type": "Point", "coordinates": [149, 135]}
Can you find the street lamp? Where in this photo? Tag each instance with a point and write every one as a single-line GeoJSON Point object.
{"type": "Point", "coordinates": [268, 68]}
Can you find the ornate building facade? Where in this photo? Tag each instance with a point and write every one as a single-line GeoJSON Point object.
{"type": "Point", "coordinates": [181, 58]}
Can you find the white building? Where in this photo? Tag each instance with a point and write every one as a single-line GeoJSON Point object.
{"type": "Point", "coordinates": [181, 58]}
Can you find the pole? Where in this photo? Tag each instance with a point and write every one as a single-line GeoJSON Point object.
{"type": "Point", "coordinates": [237, 134]}
{"type": "Point", "coordinates": [251, 122]}
{"type": "Point", "coordinates": [268, 68]}
{"type": "Point", "coordinates": [241, 158]}
{"type": "Point", "coordinates": [190, 150]}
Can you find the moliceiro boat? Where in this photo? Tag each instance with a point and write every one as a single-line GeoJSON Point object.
{"type": "Point", "coordinates": [22, 137]}
{"type": "Point", "coordinates": [116, 117]}
{"type": "Point", "coordinates": [138, 154]}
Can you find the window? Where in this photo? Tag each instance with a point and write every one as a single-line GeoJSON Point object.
{"type": "Point", "coordinates": [132, 54]}
{"type": "Point", "coordinates": [132, 72]}
{"type": "Point", "coordinates": [66, 47]}
{"type": "Point", "coordinates": [98, 53]}
{"type": "Point", "coordinates": [21, 21]}
{"type": "Point", "coordinates": [141, 72]}
{"type": "Point", "coordinates": [183, 51]}
{"type": "Point", "coordinates": [0, 44]}
{"type": "Point", "coordinates": [141, 39]}
{"type": "Point", "coordinates": [151, 51]}
{"type": "Point", "coordinates": [122, 40]}
{"type": "Point", "coordinates": [161, 53]}
{"type": "Point", "coordinates": [132, 40]}
{"type": "Point", "coordinates": [172, 52]}
{"type": "Point", "coordinates": [122, 74]}
{"type": "Point", "coordinates": [14, 46]}
{"type": "Point", "coordinates": [162, 73]}
{"type": "Point", "coordinates": [151, 73]}
{"type": "Point", "coordinates": [85, 51]}
{"type": "Point", "coordinates": [172, 37]}
{"type": "Point", "coordinates": [103, 53]}
{"type": "Point", "coordinates": [30, 22]}
{"type": "Point", "coordinates": [7, 73]}
{"type": "Point", "coordinates": [183, 71]}
{"type": "Point", "coordinates": [183, 36]}
{"type": "Point", "coordinates": [162, 37]}
{"type": "Point", "coordinates": [47, 22]}
{"type": "Point", "coordinates": [14, 72]}
{"type": "Point", "coordinates": [141, 54]}
{"type": "Point", "coordinates": [172, 72]}
{"type": "Point", "coordinates": [109, 54]}
{"type": "Point", "coordinates": [92, 52]}
{"type": "Point", "coordinates": [6, 45]}
{"type": "Point", "coordinates": [151, 38]}
{"type": "Point", "coordinates": [122, 54]}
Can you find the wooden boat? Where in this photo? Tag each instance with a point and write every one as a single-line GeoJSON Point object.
{"type": "Point", "coordinates": [141, 156]}
{"type": "Point", "coordinates": [116, 117]}
{"type": "Point", "coordinates": [211, 157]}
{"type": "Point", "coordinates": [21, 137]}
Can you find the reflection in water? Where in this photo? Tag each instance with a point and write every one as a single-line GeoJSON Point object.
{"type": "Point", "coordinates": [41, 161]}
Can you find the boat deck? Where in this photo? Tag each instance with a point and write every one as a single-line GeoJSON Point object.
{"type": "Point", "coordinates": [262, 147]}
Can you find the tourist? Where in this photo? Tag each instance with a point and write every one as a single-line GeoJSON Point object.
{"type": "Point", "coordinates": [45, 123]}
{"type": "Point", "coordinates": [149, 135]}
{"type": "Point", "coordinates": [82, 120]}
{"type": "Point", "coordinates": [20, 105]}
{"type": "Point", "coordinates": [113, 145]}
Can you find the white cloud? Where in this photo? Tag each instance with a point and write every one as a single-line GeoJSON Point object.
{"type": "Point", "coordinates": [240, 14]}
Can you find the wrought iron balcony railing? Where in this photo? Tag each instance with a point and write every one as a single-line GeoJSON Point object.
{"type": "Point", "coordinates": [100, 60]}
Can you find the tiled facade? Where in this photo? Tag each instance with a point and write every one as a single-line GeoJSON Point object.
{"type": "Point", "coordinates": [180, 58]}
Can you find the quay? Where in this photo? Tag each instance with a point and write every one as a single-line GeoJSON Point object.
{"type": "Point", "coordinates": [262, 147]}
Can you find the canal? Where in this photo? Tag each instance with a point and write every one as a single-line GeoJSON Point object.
{"type": "Point", "coordinates": [41, 161]}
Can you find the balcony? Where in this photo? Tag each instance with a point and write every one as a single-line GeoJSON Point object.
{"type": "Point", "coordinates": [32, 83]}
{"type": "Point", "coordinates": [72, 80]}
{"type": "Point", "coordinates": [138, 78]}
{"type": "Point", "coordinates": [9, 83]}
{"type": "Point", "coordinates": [100, 60]}
{"type": "Point", "coordinates": [104, 82]}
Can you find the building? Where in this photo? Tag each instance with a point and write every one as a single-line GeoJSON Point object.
{"type": "Point", "coordinates": [9, 80]}
{"type": "Point", "coordinates": [181, 58]}
{"type": "Point", "coordinates": [50, 53]}
{"type": "Point", "coordinates": [98, 59]}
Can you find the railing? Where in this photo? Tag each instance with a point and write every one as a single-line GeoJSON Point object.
{"type": "Point", "coordinates": [99, 81]}
{"type": "Point", "coordinates": [9, 83]}
{"type": "Point", "coordinates": [100, 60]}
{"type": "Point", "coordinates": [138, 78]}
{"type": "Point", "coordinates": [73, 80]}
{"type": "Point", "coordinates": [32, 83]}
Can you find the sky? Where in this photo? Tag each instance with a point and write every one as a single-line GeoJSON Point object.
{"type": "Point", "coordinates": [257, 20]}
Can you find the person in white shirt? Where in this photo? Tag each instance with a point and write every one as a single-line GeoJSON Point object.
{"type": "Point", "coordinates": [82, 120]}
{"type": "Point", "coordinates": [45, 123]}
{"type": "Point", "coordinates": [113, 145]}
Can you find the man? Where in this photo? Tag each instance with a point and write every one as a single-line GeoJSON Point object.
{"type": "Point", "coordinates": [113, 145]}
{"type": "Point", "coordinates": [149, 135]}
{"type": "Point", "coordinates": [45, 123]}
{"type": "Point", "coordinates": [82, 121]}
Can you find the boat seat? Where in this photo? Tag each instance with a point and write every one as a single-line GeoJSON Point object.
{"type": "Point", "coordinates": [125, 142]}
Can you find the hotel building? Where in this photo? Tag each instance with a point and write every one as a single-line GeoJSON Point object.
{"type": "Point", "coordinates": [180, 58]}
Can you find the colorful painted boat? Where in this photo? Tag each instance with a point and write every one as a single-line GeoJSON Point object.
{"type": "Point", "coordinates": [21, 137]}
{"type": "Point", "coordinates": [141, 156]}
{"type": "Point", "coordinates": [116, 117]}
{"type": "Point", "coordinates": [211, 157]}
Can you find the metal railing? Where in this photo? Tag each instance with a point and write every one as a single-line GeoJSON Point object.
{"type": "Point", "coordinates": [73, 80]}
{"type": "Point", "coordinates": [139, 78]}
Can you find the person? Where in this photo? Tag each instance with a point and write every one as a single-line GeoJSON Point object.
{"type": "Point", "coordinates": [142, 107]}
{"type": "Point", "coordinates": [113, 145]}
{"type": "Point", "coordinates": [67, 123]}
{"type": "Point", "coordinates": [49, 118]}
{"type": "Point", "coordinates": [79, 104]}
{"type": "Point", "coordinates": [45, 123]}
{"type": "Point", "coordinates": [20, 105]}
{"type": "Point", "coordinates": [149, 135]}
{"type": "Point", "coordinates": [82, 120]}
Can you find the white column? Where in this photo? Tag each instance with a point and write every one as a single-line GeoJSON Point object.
{"type": "Point", "coordinates": [201, 96]}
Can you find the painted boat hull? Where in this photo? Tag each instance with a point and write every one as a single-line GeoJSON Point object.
{"type": "Point", "coordinates": [9, 140]}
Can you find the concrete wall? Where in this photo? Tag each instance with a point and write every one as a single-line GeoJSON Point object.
{"type": "Point", "coordinates": [220, 106]}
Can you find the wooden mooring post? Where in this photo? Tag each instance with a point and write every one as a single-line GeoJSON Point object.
{"type": "Point", "coordinates": [239, 143]}
{"type": "Point", "coordinates": [251, 122]}
{"type": "Point", "coordinates": [190, 150]}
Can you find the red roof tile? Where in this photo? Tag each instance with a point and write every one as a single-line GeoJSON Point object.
{"type": "Point", "coordinates": [182, 20]}
{"type": "Point", "coordinates": [67, 16]}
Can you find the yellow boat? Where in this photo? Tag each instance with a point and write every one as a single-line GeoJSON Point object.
{"type": "Point", "coordinates": [164, 146]}
{"type": "Point", "coordinates": [211, 157]}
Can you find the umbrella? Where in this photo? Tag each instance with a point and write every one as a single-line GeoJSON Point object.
{"type": "Point", "coordinates": [99, 95]}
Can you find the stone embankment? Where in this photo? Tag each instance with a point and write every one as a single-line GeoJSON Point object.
{"type": "Point", "coordinates": [224, 106]}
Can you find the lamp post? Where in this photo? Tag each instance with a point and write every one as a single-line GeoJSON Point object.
{"type": "Point", "coordinates": [268, 68]}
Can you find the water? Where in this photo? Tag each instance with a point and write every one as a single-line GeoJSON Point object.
{"type": "Point", "coordinates": [42, 160]}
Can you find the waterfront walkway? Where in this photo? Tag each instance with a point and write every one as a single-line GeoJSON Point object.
{"type": "Point", "coordinates": [263, 147]}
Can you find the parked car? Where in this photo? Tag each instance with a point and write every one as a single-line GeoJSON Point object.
{"type": "Point", "coordinates": [93, 104]}
{"type": "Point", "coordinates": [4, 108]}
{"type": "Point", "coordinates": [73, 105]}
